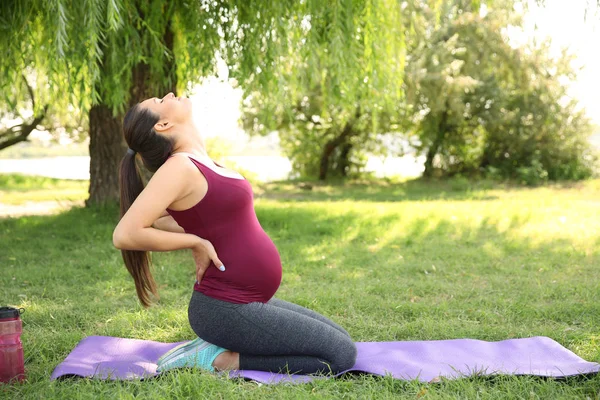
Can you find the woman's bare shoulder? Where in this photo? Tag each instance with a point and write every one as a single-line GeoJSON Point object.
{"type": "Point", "coordinates": [179, 169]}
{"type": "Point", "coordinates": [177, 165]}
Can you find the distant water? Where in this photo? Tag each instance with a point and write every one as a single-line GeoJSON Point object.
{"type": "Point", "coordinates": [267, 168]}
{"type": "Point", "coordinates": [77, 167]}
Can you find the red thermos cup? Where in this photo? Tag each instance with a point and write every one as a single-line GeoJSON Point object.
{"type": "Point", "coordinates": [12, 365]}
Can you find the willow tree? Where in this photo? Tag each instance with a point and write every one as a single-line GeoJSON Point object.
{"type": "Point", "coordinates": [19, 131]}
{"type": "Point", "coordinates": [103, 56]}
{"type": "Point", "coordinates": [337, 85]}
{"type": "Point", "coordinates": [87, 56]}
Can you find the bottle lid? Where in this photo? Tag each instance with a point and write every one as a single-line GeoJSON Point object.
{"type": "Point", "coordinates": [9, 312]}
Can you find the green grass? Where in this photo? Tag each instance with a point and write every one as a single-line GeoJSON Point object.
{"type": "Point", "coordinates": [18, 189]}
{"type": "Point", "coordinates": [388, 261]}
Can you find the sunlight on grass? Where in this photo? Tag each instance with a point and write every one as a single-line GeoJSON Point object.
{"type": "Point", "coordinates": [403, 261]}
{"type": "Point", "coordinates": [18, 189]}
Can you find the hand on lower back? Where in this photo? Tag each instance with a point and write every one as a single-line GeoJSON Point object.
{"type": "Point", "coordinates": [204, 253]}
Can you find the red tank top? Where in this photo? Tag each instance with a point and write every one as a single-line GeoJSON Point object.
{"type": "Point", "coordinates": [225, 216]}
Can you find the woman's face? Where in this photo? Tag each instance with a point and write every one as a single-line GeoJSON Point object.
{"type": "Point", "coordinates": [175, 110]}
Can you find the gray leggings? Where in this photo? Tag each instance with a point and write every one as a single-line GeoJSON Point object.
{"type": "Point", "coordinates": [276, 336]}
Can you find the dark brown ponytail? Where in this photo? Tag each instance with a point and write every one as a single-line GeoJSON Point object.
{"type": "Point", "coordinates": [154, 149]}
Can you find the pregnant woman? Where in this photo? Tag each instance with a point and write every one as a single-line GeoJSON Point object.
{"type": "Point", "coordinates": [193, 203]}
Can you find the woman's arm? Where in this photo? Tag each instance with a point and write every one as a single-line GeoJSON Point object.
{"type": "Point", "coordinates": [151, 239]}
{"type": "Point", "coordinates": [135, 231]}
{"type": "Point", "coordinates": [167, 223]}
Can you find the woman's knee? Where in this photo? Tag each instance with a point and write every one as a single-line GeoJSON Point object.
{"type": "Point", "coordinates": [345, 357]}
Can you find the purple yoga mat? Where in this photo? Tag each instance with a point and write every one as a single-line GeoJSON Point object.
{"type": "Point", "coordinates": [106, 357]}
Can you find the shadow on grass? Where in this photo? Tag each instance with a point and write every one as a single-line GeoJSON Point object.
{"type": "Point", "coordinates": [379, 273]}
{"type": "Point", "coordinates": [379, 190]}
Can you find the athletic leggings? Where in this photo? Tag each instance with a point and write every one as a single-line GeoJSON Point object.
{"type": "Point", "coordinates": [276, 336]}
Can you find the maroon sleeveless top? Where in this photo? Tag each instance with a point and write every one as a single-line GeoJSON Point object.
{"type": "Point", "coordinates": [225, 217]}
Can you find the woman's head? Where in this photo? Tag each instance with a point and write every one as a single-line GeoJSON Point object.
{"type": "Point", "coordinates": [150, 129]}
{"type": "Point", "coordinates": [173, 112]}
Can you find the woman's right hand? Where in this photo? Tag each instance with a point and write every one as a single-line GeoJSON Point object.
{"type": "Point", "coordinates": [204, 252]}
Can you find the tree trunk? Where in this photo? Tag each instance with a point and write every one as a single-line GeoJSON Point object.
{"type": "Point", "coordinates": [431, 153]}
{"type": "Point", "coordinates": [107, 148]}
{"type": "Point", "coordinates": [343, 160]}
{"type": "Point", "coordinates": [107, 145]}
{"type": "Point", "coordinates": [435, 146]}
{"type": "Point", "coordinates": [330, 146]}
{"type": "Point", "coordinates": [324, 163]}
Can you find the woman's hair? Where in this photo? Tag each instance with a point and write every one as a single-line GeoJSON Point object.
{"type": "Point", "coordinates": [154, 149]}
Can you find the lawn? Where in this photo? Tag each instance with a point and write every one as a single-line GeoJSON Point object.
{"type": "Point", "coordinates": [16, 189]}
{"type": "Point", "coordinates": [388, 261]}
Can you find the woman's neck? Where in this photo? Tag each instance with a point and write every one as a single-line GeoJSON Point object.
{"type": "Point", "coordinates": [197, 150]}
{"type": "Point", "coordinates": [192, 142]}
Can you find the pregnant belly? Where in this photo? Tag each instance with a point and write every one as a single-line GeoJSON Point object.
{"type": "Point", "coordinates": [252, 274]}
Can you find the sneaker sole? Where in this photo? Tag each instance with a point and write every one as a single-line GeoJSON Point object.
{"type": "Point", "coordinates": [193, 355]}
{"type": "Point", "coordinates": [182, 349]}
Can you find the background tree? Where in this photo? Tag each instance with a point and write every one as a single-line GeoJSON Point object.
{"type": "Point", "coordinates": [22, 125]}
{"type": "Point", "coordinates": [482, 106]}
{"type": "Point", "coordinates": [454, 76]}
{"type": "Point", "coordinates": [320, 141]}
{"type": "Point", "coordinates": [27, 100]}
{"type": "Point", "coordinates": [337, 86]}
{"type": "Point", "coordinates": [537, 131]}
